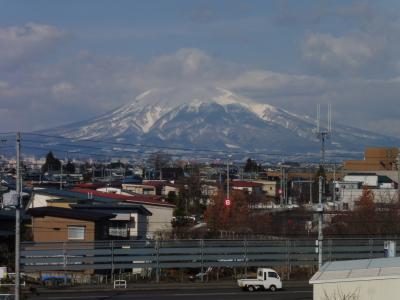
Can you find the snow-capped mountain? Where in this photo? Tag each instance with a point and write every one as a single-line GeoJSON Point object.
{"type": "Point", "coordinates": [215, 118]}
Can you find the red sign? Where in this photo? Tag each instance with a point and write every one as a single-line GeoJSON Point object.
{"type": "Point", "coordinates": [227, 202]}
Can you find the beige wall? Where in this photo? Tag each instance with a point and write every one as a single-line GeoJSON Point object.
{"type": "Point", "coordinates": [60, 204]}
{"type": "Point", "coordinates": [54, 229]}
{"type": "Point", "coordinates": [140, 189]}
{"type": "Point", "coordinates": [167, 189]}
{"type": "Point", "coordinates": [384, 289]}
{"type": "Point", "coordinates": [160, 220]}
{"type": "Point", "coordinates": [269, 187]}
{"type": "Point", "coordinates": [374, 159]}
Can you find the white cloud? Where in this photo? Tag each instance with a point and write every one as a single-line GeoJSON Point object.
{"type": "Point", "coordinates": [86, 85]}
{"type": "Point", "coordinates": [274, 83]}
{"type": "Point", "coordinates": [63, 89]}
{"type": "Point", "coordinates": [17, 44]}
{"type": "Point", "coordinates": [350, 53]}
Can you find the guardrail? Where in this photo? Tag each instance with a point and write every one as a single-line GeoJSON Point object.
{"type": "Point", "coordinates": [119, 255]}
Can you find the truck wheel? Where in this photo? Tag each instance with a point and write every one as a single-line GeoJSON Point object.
{"type": "Point", "coordinates": [272, 288]}
{"type": "Point", "coordinates": [251, 288]}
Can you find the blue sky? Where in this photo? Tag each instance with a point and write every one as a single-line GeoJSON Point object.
{"type": "Point", "coordinates": [64, 61]}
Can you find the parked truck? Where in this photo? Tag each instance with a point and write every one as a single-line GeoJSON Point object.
{"type": "Point", "coordinates": [267, 279]}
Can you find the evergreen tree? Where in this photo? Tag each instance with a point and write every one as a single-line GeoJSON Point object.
{"type": "Point", "coordinates": [52, 163]}
{"type": "Point", "coordinates": [69, 168]}
{"type": "Point", "coordinates": [251, 166]}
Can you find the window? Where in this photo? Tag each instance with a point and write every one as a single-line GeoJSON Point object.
{"type": "Point", "coordinates": [76, 232]}
{"type": "Point", "coordinates": [260, 273]}
{"type": "Point", "coordinates": [272, 275]}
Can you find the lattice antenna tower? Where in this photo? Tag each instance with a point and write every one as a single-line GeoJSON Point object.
{"type": "Point", "coordinates": [324, 133]}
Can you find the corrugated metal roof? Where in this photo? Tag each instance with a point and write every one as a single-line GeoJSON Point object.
{"type": "Point", "coordinates": [352, 270]}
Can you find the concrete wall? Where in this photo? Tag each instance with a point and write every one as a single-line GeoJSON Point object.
{"type": "Point", "coordinates": [383, 289]}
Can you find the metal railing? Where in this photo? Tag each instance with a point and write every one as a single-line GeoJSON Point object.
{"type": "Point", "coordinates": [120, 255]}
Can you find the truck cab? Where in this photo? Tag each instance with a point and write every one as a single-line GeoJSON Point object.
{"type": "Point", "coordinates": [267, 279]}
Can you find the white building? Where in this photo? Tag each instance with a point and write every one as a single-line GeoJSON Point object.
{"type": "Point", "coordinates": [372, 279]}
{"type": "Point", "coordinates": [349, 191]}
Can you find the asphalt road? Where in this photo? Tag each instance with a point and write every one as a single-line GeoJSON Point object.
{"type": "Point", "coordinates": [230, 293]}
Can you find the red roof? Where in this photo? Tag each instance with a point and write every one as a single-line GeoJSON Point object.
{"type": "Point", "coordinates": [89, 185]}
{"type": "Point", "coordinates": [155, 183]}
{"type": "Point", "coordinates": [245, 184]}
{"type": "Point", "coordinates": [142, 199]}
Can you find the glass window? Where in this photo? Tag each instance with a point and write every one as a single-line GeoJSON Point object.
{"type": "Point", "coordinates": [76, 232]}
{"type": "Point", "coordinates": [272, 275]}
{"type": "Point", "coordinates": [260, 273]}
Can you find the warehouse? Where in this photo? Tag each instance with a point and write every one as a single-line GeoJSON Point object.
{"type": "Point", "coordinates": [372, 279]}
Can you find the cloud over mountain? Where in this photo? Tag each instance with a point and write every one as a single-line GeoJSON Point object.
{"type": "Point", "coordinates": [30, 41]}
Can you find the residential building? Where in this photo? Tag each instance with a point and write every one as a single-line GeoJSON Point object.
{"type": "Point", "coordinates": [247, 186]}
{"type": "Point", "coordinates": [349, 191]}
{"type": "Point", "coordinates": [56, 224]}
{"type": "Point", "coordinates": [159, 220]}
{"type": "Point", "coordinates": [375, 159]}
{"type": "Point", "coordinates": [131, 221]}
{"type": "Point", "coordinates": [269, 187]}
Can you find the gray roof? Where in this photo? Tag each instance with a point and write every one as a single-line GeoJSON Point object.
{"type": "Point", "coordinates": [70, 213]}
{"type": "Point", "coordinates": [113, 207]}
{"type": "Point", "coordinates": [354, 270]}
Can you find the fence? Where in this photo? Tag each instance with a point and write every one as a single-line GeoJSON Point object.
{"type": "Point", "coordinates": [202, 254]}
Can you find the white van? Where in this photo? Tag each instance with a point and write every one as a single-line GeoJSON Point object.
{"type": "Point", "coordinates": [267, 279]}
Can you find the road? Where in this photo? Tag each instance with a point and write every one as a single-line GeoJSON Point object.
{"type": "Point", "coordinates": [222, 294]}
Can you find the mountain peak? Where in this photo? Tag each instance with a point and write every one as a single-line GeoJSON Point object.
{"type": "Point", "coordinates": [216, 117]}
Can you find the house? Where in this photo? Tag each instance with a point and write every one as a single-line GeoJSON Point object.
{"type": "Point", "coordinates": [161, 211]}
{"type": "Point", "coordinates": [130, 222]}
{"type": "Point", "coordinates": [159, 220]}
{"type": "Point", "coordinates": [56, 224]}
{"type": "Point", "coordinates": [172, 173]}
{"type": "Point", "coordinates": [372, 279]}
{"type": "Point", "coordinates": [142, 189]}
{"type": "Point", "coordinates": [269, 187]}
{"type": "Point", "coordinates": [349, 191]}
{"type": "Point", "coordinates": [170, 188]}
{"type": "Point", "coordinates": [247, 186]}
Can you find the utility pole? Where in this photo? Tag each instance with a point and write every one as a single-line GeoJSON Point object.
{"type": "Point", "coordinates": [227, 177]}
{"type": "Point", "coordinates": [334, 184]}
{"type": "Point", "coordinates": [61, 174]}
{"type": "Point", "coordinates": [320, 216]}
{"type": "Point", "coordinates": [310, 188]}
{"type": "Point", "coordinates": [281, 186]}
{"type": "Point", "coordinates": [17, 218]}
{"type": "Point", "coordinates": [286, 188]}
{"type": "Point", "coordinates": [398, 176]}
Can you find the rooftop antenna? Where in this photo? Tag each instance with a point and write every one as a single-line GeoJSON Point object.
{"type": "Point", "coordinates": [324, 134]}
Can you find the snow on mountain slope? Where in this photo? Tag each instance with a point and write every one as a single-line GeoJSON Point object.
{"type": "Point", "coordinates": [214, 118]}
